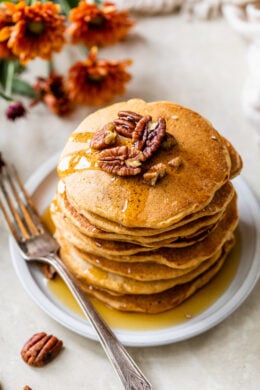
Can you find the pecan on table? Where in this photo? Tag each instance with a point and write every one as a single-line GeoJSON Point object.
{"type": "Point", "coordinates": [126, 122]}
{"type": "Point", "coordinates": [148, 135]}
{"type": "Point", "coordinates": [121, 160]}
{"type": "Point", "coordinates": [105, 137]}
{"type": "Point", "coordinates": [40, 349]}
{"type": "Point", "coordinates": [155, 173]}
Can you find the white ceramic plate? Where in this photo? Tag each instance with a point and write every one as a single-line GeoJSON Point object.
{"type": "Point", "coordinates": [42, 186]}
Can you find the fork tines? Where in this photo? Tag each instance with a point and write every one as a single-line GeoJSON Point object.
{"type": "Point", "coordinates": [16, 205]}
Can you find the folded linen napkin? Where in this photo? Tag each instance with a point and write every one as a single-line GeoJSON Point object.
{"type": "Point", "coordinates": [244, 18]}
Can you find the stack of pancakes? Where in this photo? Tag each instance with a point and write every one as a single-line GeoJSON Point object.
{"type": "Point", "coordinates": [146, 247]}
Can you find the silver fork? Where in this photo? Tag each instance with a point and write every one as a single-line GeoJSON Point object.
{"type": "Point", "coordinates": [37, 244]}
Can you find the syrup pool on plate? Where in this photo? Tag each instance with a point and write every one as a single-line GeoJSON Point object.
{"type": "Point", "coordinates": [192, 307]}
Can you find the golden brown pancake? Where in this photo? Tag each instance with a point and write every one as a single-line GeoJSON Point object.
{"type": "Point", "coordinates": [172, 257]}
{"type": "Point", "coordinates": [205, 217]}
{"type": "Point", "coordinates": [155, 303]}
{"type": "Point", "coordinates": [100, 278]}
{"type": "Point", "coordinates": [131, 202]}
{"type": "Point", "coordinates": [183, 236]}
{"type": "Point", "coordinates": [137, 245]}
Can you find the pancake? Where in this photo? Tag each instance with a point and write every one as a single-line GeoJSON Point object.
{"type": "Point", "coordinates": [138, 271]}
{"type": "Point", "coordinates": [154, 303]}
{"type": "Point", "coordinates": [179, 237]}
{"type": "Point", "coordinates": [236, 161]}
{"type": "Point", "coordinates": [144, 210]}
{"type": "Point", "coordinates": [87, 273]}
{"type": "Point", "coordinates": [188, 225]}
{"type": "Point", "coordinates": [172, 257]}
{"type": "Point", "coordinates": [131, 202]}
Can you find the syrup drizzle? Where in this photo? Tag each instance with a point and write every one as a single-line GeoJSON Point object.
{"type": "Point", "coordinates": [192, 307]}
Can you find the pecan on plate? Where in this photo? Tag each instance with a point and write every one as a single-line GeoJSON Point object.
{"type": "Point", "coordinates": [40, 349]}
{"type": "Point", "coordinates": [27, 388]}
{"type": "Point", "coordinates": [148, 135]}
{"type": "Point", "coordinates": [155, 173]}
{"type": "Point", "coordinates": [121, 160]}
{"type": "Point", "coordinates": [126, 122]}
{"type": "Point", "coordinates": [105, 137]}
{"type": "Point", "coordinates": [49, 271]}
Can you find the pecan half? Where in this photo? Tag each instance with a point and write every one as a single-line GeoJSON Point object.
{"type": "Point", "coordinates": [105, 137]}
{"type": "Point", "coordinates": [126, 122]}
{"type": "Point", "coordinates": [40, 349]}
{"type": "Point", "coordinates": [27, 388]}
{"type": "Point", "coordinates": [148, 135]}
{"type": "Point", "coordinates": [122, 160]}
{"type": "Point", "coordinates": [155, 173]}
{"type": "Point", "coordinates": [141, 132]}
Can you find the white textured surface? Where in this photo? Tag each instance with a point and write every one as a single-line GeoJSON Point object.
{"type": "Point", "coordinates": [201, 65]}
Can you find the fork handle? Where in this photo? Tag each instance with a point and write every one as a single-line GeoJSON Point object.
{"type": "Point", "coordinates": [130, 374]}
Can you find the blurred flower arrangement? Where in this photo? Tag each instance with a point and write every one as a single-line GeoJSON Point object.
{"type": "Point", "coordinates": [38, 29]}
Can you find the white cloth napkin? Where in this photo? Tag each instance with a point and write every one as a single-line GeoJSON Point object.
{"type": "Point", "coordinates": [149, 6]}
{"type": "Point", "coordinates": [244, 18]}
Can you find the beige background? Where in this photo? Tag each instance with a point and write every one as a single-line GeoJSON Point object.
{"type": "Point", "coordinates": [201, 65]}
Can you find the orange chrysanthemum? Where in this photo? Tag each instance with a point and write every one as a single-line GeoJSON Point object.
{"type": "Point", "coordinates": [6, 24]}
{"type": "Point", "coordinates": [52, 92]}
{"type": "Point", "coordinates": [98, 26]}
{"type": "Point", "coordinates": [96, 82]}
{"type": "Point", "coordinates": [38, 31]}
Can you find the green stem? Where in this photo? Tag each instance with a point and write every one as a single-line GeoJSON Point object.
{"type": "Point", "coordinates": [65, 6]}
{"type": "Point", "coordinates": [97, 2]}
{"type": "Point", "coordinates": [9, 79]}
{"type": "Point", "coordinates": [5, 97]}
{"type": "Point", "coordinates": [50, 67]}
{"type": "Point", "coordinates": [30, 2]}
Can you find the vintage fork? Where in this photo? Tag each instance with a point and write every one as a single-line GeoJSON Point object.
{"type": "Point", "coordinates": [37, 244]}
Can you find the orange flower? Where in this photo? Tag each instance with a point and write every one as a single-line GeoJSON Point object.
{"type": "Point", "coordinates": [52, 92]}
{"type": "Point", "coordinates": [37, 32]}
{"type": "Point", "coordinates": [96, 82]}
{"type": "Point", "coordinates": [98, 26]}
{"type": "Point", "coordinates": [6, 24]}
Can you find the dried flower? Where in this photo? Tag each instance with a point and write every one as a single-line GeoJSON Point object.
{"type": "Point", "coordinates": [52, 92]}
{"type": "Point", "coordinates": [15, 110]}
{"type": "Point", "coordinates": [6, 24]}
{"type": "Point", "coordinates": [32, 29]}
{"type": "Point", "coordinates": [38, 30]}
{"type": "Point", "coordinates": [98, 26]}
{"type": "Point", "coordinates": [95, 82]}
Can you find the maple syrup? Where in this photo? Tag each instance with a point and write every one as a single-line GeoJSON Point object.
{"type": "Point", "coordinates": [192, 307]}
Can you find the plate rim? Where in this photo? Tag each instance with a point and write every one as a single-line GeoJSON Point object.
{"type": "Point", "coordinates": [199, 324]}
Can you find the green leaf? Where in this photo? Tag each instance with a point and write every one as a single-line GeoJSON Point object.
{"type": "Point", "coordinates": [73, 3]}
{"type": "Point", "coordinates": [22, 87]}
{"type": "Point", "coordinates": [4, 96]}
{"type": "Point", "coordinates": [19, 68]}
{"type": "Point", "coordinates": [3, 72]}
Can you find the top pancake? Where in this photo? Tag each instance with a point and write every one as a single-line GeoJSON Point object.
{"type": "Point", "coordinates": [128, 201]}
